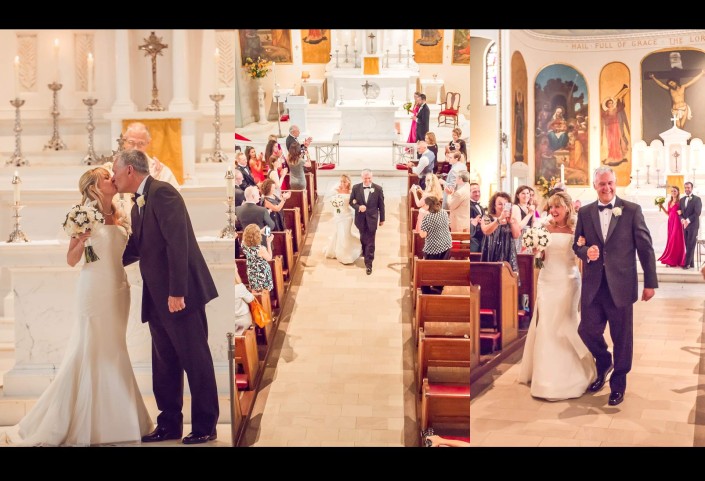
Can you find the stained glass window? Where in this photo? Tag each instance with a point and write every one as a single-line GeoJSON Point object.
{"type": "Point", "coordinates": [491, 75]}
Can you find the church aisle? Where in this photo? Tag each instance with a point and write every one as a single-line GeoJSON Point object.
{"type": "Point", "coordinates": [663, 406]}
{"type": "Point", "coordinates": [336, 374]}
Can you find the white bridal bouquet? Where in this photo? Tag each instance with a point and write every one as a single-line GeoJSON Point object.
{"type": "Point", "coordinates": [537, 239]}
{"type": "Point", "coordinates": [79, 220]}
{"type": "Point", "coordinates": [337, 202]}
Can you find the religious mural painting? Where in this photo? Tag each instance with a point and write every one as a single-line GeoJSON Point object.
{"type": "Point", "coordinates": [270, 44]}
{"type": "Point", "coordinates": [315, 46]}
{"type": "Point", "coordinates": [461, 46]}
{"type": "Point", "coordinates": [672, 85]}
{"type": "Point", "coordinates": [615, 121]}
{"type": "Point", "coordinates": [561, 136]}
{"type": "Point", "coordinates": [520, 86]}
{"type": "Point", "coordinates": [428, 46]}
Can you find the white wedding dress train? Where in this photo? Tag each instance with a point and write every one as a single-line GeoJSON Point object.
{"type": "Point", "coordinates": [94, 398]}
{"type": "Point", "coordinates": [344, 243]}
{"type": "Point", "coordinates": [556, 362]}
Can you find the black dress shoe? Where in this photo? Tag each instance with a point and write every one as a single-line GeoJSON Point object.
{"type": "Point", "coordinates": [199, 439]}
{"type": "Point", "coordinates": [616, 397]}
{"type": "Point", "coordinates": [161, 434]}
{"type": "Point", "coordinates": [369, 271]}
{"type": "Point", "coordinates": [601, 378]}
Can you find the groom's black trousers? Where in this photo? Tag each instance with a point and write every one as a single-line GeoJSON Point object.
{"type": "Point", "coordinates": [594, 317]}
{"type": "Point", "coordinates": [180, 344]}
{"type": "Point", "coordinates": [367, 239]}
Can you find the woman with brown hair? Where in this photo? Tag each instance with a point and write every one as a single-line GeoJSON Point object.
{"type": "Point", "coordinates": [258, 256]}
{"type": "Point", "coordinates": [500, 229]}
{"type": "Point", "coordinates": [256, 163]}
{"type": "Point", "coordinates": [275, 204]}
{"type": "Point", "coordinates": [435, 230]}
{"type": "Point", "coordinates": [94, 398]}
{"type": "Point", "coordinates": [297, 175]}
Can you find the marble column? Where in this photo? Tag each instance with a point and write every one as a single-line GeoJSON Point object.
{"type": "Point", "coordinates": [123, 101]}
{"type": "Point", "coordinates": [180, 73]}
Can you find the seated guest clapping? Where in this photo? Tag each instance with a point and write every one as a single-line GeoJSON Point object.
{"type": "Point", "coordinates": [274, 204]}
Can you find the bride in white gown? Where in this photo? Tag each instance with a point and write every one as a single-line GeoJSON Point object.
{"type": "Point", "coordinates": [344, 244]}
{"type": "Point", "coordinates": [94, 398]}
{"type": "Point", "coordinates": [556, 362]}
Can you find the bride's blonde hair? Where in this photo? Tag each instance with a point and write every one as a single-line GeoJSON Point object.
{"type": "Point", "coordinates": [563, 199]}
{"type": "Point", "coordinates": [88, 186]}
{"type": "Point", "coordinates": [345, 179]}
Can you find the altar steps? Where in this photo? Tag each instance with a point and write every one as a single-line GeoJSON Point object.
{"type": "Point", "coordinates": [673, 275]}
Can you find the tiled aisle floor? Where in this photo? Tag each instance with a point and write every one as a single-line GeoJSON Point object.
{"type": "Point", "coordinates": [663, 405]}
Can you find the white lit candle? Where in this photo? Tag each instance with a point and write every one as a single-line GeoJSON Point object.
{"type": "Point", "coordinates": [89, 68]}
{"type": "Point", "coordinates": [216, 64]}
{"type": "Point", "coordinates": [17, 76]}
{"type": "Point", "coordinates": [57, 78]}
{"type": "Point", "coordinates": [563, 174]}
{"type": "Point", "coordinates": [229, 183]}
{"type": "Point", "coordinates": [354, 41]}
{"type": "Point", "coordinates": [16, 187]}
{"type": "Point", "coordinates": [274, 72]}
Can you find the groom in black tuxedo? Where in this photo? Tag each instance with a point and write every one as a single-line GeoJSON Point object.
{"type": "Point", "coordinates": [690, 206]}
{"type": "Point", "coordinates": [615, 233]}
{"type": "Point", "coordinates": [367, 199]}
{"type": "Point", "coordinates": [176, 286]}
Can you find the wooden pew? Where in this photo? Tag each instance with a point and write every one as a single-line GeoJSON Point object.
{"type": "Point", "coordinates": [458, 251]}
{"type": "Point", "coordinates": [277, 294]}
{"type": "Point", "coordinates": [411, 180]}
{"type": "Point", "coordinates": [461, 245]}
{"type": "Point", "coordinates": [299, 198]}
{"type": "Point", "coordinates": [292, 219]}
{"type": "Point", "coordinates": [450, 352]}
{"type": "Point", "coordinates": [445, 403]}
{"type": "Point", "coordinates": [431, 272]}
{"type": "Point", "coordinates": [247, 360]}
{"type": "Point", "coordinates": [311, 193]}
{"type": "Point", "coordinates": [282, 245]}
{"type": "Point", "coordinates": [265, 334]}
{"type": "Point", "coordinates": [527, 278]}
{"type": "Point", "coordinates": [498, 299]}
{"type": "Point", "coordinates": [313, 170]}
{"type": "Point", "coordinates": [450, 316]}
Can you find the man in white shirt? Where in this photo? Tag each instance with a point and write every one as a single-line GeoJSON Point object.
{"type": "Point", "coordinates": [427, 163]}
{"type": "Point", "coordinates": [137, 138]}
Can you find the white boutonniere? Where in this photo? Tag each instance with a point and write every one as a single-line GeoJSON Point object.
{"type": "Point", "coordinates": [140, 201]}
{"type": "Point", "coordinates": [617, 211]}
{"type": "Point", "coordinates": [372, 190]}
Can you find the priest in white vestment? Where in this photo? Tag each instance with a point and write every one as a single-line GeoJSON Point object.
{"type": "Point", "coordinates": [137, 137]}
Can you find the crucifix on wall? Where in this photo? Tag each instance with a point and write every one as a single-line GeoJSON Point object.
{"type": "Point", "coordinates": [372, 37]}
{"type": "Point", "coordinates": [152, 47]}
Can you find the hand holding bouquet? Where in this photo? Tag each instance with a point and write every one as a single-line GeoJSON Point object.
{"type": "Point", "coordinates": [537, 239]}
{"type": "Point", "coordinates": [659, 201]}
{"type": "Point", "coordinates": [81, 219]}
{"type": "Point", "coordinates": [337, 202]}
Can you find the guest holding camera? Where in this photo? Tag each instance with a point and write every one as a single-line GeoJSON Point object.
{"type": "Point", "coordinates": [500, 229]}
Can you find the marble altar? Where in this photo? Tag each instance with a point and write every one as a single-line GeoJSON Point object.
{"type": "Point", "coordinates": [368, 120]}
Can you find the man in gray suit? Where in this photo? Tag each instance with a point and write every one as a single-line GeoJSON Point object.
{"type": "Point", "coordinates": [614, 233]}
{"type": "Point", "coordinates": [252, 213]}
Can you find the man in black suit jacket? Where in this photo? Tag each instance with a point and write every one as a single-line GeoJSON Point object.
{"type": "Point", "coordinates": [422, 119]}
{"type": "Point", "coordinates": [476, 213]}
{"type": "Point", "coordinates": [614, 233]}
{"type": "Point", "coordinates": [177, 285]}
{"type": "Point", "coordinates": [252, 213]}
{"type": "Point", "coordinates": [244, 169]}
{"type": "Point", "coordinates": [239, 189]}
{"type": "Point", "coordinates": [690, 207]}
{"type": "Point", "coordinates": [293, 136]}
{"type": "Point", "coordinates": [368, 201]}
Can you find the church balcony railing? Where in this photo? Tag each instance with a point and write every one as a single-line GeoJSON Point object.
{"type": "Point", "coordinates": [403, 152]}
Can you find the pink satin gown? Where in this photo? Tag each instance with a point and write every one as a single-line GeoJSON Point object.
{"type": "Point", "coordinates": [674, 254]}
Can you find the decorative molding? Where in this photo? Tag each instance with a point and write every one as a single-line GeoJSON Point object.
{"type": "Point", "coordinates": [225, 41]}
{"type": "Point", "coordinates": [591, 35]}
{"type": "Point", "coordinates": [27, 51]}
{"type": "Point", "coordinates": [84, 43]}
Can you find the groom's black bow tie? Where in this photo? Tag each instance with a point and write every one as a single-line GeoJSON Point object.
{"type": "Point", "coordinates": [367, 187]}
{"type": "Point", "coordinates": [603, 207]}
{"type": "Point", "coordinates": [137, 195]}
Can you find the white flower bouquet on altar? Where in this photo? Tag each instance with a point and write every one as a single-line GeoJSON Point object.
{"type": "Point", "coordinates": [79, 220]}
{"type": "Point", "coordinates": [537, 239]}
{"type": "Point", "coordinates": [337, 202]}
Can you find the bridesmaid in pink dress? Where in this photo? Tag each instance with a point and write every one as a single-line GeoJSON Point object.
{"type": "Point", "coordinates": [674, 254]}
{"type": "Point", "coordinates": [414, 111]}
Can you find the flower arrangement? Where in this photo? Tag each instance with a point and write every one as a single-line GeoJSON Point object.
{"type": "Point", "coordinates": [257, 68]}
{"type": "Point", "coordinates": [407, 107]}
{"type": "Point", "coordinates": [537, 239]}
{"type": "Point", "coordinates": [546, 186]}
{"type": "Point", "coordinates": [79, 220]}
{"type": "Point", "coordinates": [659, 201]}
{"type": "Point", "coordinates": [337, 202]}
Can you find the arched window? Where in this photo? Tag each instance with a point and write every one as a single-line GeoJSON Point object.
{"type": "Point", "coordinates": [491, 75]}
